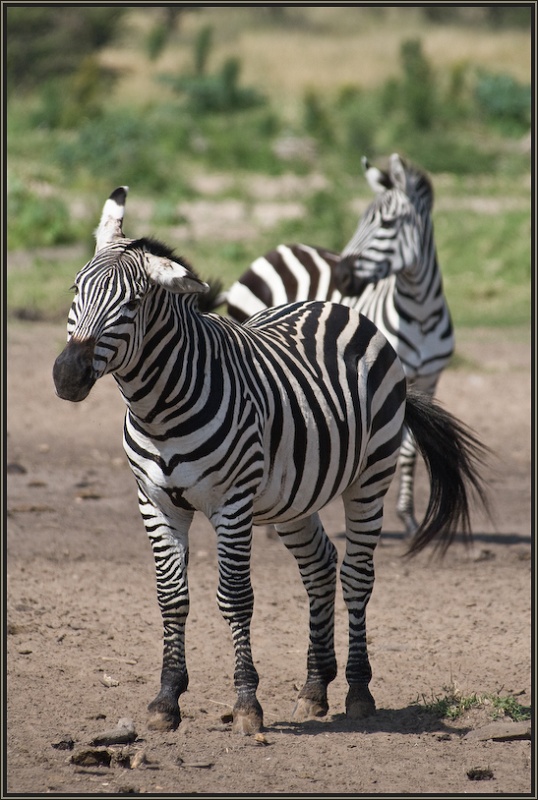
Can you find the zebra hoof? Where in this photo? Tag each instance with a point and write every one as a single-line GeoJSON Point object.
{"type": "Point", "coordinates": [359, 703]}
{"type": "Point", "coordinates": [308, 709]}
{"type": "Point", "coordinates": [247, 722]}
{"type": "Point", "coordinates": [163, 719]}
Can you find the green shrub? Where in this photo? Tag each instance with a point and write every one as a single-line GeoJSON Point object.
{"type": "Point", "coordinates": [35, 221]}
{"type": "Point", "coordinates": [503, 99]}
{"type": "Point", "coordinates": [128, 146]}
{"type": "Point", "coordinates": [67, 102]}
{"type": "Point", "coordinates": [418, 85]}
{"type": "Point", "coordinates": [48, 41]}
{"type": "Point", "coordinates": [218, 92]}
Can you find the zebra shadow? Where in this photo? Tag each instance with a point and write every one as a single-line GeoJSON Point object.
{"type": "Point", "coordinates": [411, 720]}
{"type": "Point", "coordinates": [478, 538]}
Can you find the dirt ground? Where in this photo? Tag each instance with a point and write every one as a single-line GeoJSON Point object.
{"type": "Point", "coordinates": [84, 630]}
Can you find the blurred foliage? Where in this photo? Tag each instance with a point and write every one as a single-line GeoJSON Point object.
{"type": "Point", "coordinates": [216, 92]}
{"type": "Point", "coordinates": [168, 22]}
{"type": "Point", "coordinates": [49, 41]}
{"type": "Point", "coordinates": [504, 100]}
{"type": "Point", "coordinates": [417, 85]}
{"type": "Point", "coordinates": [37, 221]}
{"type": "Point", "coordinates": [65, 102]}
{"type": "Point", "coordinates": [494, 15]}
{"type": "Point", "coordinates": [69, 135]}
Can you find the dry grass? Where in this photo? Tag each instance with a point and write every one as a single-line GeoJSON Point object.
{"type": "Point", "coordinates": [340, 46]}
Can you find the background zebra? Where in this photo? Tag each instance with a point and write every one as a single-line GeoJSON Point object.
{"type": "Point", "coordinates": [388, 271]}
{"type": "Point", "coordinates": [259, 423]}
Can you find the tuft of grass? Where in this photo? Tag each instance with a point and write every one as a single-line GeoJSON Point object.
{"type": "Point", "coordinates": [509, 707]}
{"type": "Point", "coordinates": [453, 705]}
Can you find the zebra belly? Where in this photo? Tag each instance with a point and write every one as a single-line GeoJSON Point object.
{"type": "Point", "coordinates": [300, 480]}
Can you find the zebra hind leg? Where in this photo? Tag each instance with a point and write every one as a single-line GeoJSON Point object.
{"type": "Point", "coordinates": [317, 560]}
{"type": "Point", "coordinates": [405, 505]}
{"type": "Point", "coordinates": [364, 517]}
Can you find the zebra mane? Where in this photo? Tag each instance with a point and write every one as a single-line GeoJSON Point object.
{"type": "Point", "coordinates": [161, 250]}
{"type": "Point", "coordinates": [205, 301]}
{"type": "Point", "coordinates": [419, 183]}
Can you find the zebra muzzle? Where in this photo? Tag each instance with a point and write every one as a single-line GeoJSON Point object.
{"type": "Point", "coordinates": [73, 371]}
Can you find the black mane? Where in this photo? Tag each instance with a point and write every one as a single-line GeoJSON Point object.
{"type": "Point", "coordinates": [161, 250]}
{"type": "Point", "coordinates": [206, 301]}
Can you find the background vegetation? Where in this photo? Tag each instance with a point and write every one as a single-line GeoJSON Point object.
{"type": "Point", "coordinates": [238, 128]}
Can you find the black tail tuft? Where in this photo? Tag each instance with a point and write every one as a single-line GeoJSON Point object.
{"type": "Point", "coordinates": [454, 457]}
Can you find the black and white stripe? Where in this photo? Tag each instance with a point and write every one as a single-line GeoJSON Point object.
{"type": "Point", "coordinates": [262, 423]}
{"type": "Point", "coordinates": [388, 271]}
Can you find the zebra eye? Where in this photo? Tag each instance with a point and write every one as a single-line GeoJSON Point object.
{"type": "Point", "coordinates": [132, 305]}
{"type": "Point", "coordinates": [74, 289]}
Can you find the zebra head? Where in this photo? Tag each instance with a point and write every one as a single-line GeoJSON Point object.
{"type": "Point", "coordinates": [388, 238]}
{"type": "Point", "coordinates": [114, 295]}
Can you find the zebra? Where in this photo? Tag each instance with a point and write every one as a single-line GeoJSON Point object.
{"type": "Point", "coordinates": [261, 423]}
{"type": "Point", "coordinates": [388, 271]}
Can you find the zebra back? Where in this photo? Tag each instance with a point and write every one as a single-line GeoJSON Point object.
{"type": "Point", "coordinates": [289, 273]}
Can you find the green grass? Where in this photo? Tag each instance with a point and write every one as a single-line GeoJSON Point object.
{"type": "Point", "coordinates": [486, 265]}
{"type": "Point", "coordinates": [453, 705]}
{"type": "Point", "coordinates": [41, 289]}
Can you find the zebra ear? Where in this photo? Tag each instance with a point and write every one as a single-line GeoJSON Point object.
{"type": "Point", "coordinates": [172, 275]}
{"type": "Point", "coordinates": [378, 180]}
{"type": "Point", "coordinates": [397, 172]}
{"type": "Point", "coordinates": [109, 228]}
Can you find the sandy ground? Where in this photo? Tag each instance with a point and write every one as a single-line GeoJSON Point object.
{"type": "Point", "coordinates": [84, 629]}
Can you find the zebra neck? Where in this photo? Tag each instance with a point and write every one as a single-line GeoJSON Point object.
{"type": "Point", "coordinates": [418, 291]}
{"type": "Point", "coordinates": [171, 371]}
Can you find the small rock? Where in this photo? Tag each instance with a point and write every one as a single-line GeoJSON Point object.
{"type": "Point", "coordinates": [501, 732]}
{"type": "Point", "coordinates": [108, 681]}
{"type": "Point", "coordinates": [97, 757]}
{"type": "Point", "coordinates": [138, 759]}
{"type": "Point", "coordinates": [123, 733]}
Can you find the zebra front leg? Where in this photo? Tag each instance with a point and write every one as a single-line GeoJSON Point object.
{"type": "Point", "coordinates": [169, 541]}
{"type": "Point", "coordinates": [316, 558]}
{"type": "Point", "coordinates": [235, 600]}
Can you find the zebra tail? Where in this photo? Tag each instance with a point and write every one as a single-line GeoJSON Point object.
{"type": "Point", "coordinates": [454, 458]}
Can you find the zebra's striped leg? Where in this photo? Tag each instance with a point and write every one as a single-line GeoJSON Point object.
{"type": "Point", "coordinates": [236, 603]}
{"type": "Point", "coordinates": [169, 541]}
{"type": "Point", "coordinates": [364, 517]}
{"type": "Point", "coordinates": [405, 505]}
{"type": "Point", "coordinates": [407, 460]}
{"type": "Point", "coordinates": [316, 558]}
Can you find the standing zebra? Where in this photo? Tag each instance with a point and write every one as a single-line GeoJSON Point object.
{"type": "Point", "coordinates": [388, 271]}
{"type": "Point", "coordinates": [262, 423]}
